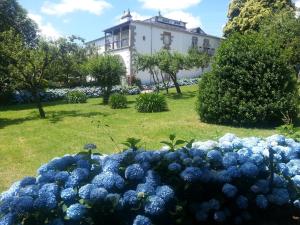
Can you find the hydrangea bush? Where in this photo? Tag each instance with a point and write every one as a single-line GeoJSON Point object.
{"type": "Point", "coordinates": [232, 181]}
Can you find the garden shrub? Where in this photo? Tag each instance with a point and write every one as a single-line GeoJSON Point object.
{"type": "Point", "coordinates": [118, 101]}
{"type": "Point", "coordinates": [251, 83]}
{"type": "Point", "coordinates": [151, 102]}
{"type": "Point", "coordinates": [76, 97]}
{"type": "Point", "coordinates": [232, 181]}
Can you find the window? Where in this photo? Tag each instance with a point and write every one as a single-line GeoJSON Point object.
{"type": "Point", "coordinates": [167, 39]}
{"type": "Point", "coordinates": [194, 42]}
{"type": "Point", "coordinates": [144, 38]}
{"type": "Point", "coordinates": [206, 45]}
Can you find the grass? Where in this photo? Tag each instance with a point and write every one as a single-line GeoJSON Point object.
{"type": "Point", "coordinates": [26, 142]}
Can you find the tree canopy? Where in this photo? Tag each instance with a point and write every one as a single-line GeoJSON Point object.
{"type": "Point", "coordinates": [245, 16]}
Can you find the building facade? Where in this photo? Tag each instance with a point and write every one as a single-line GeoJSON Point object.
{"type": "Point", "coordinates": [150, 36]}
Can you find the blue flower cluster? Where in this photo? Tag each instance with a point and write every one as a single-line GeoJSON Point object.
{"type": "Point", "coordinates": [60, 93]}
{"type": "Point", "coordinates": [230, 181]}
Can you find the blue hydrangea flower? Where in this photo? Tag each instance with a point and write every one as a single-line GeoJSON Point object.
{"type": "Point", "coordinates": [27, 181]}
{"type": "Point", "coordinates": [111, 165]}
{"type": "Point", "coordinates": [227, 137]}
{"type": "Point", "coordinates": [230, 159]}
{"type": "Point", "coordinates": [47, 177]}
{"type": "Point", "coordinates": [249, 169]}
{"type": "Point", "coordinates": [219, 216]}
{"type": "Point", "coordinates": [174, 167]}
{"type": "Point", "coordinates": [215, 157]}
{"type": "Point", "coordinates": [98, 194]}
{"type": "Point", "coordinates": [50, 188]}
{"type": "Point", "coordinates": [61, 176]}
{"type": "Point", "coordinates": [261, 201]}
{"type": "Point", "coordinates": [165, 192]}
{"type": "Point", "coordinates": [7, 219]}
{"type": "Point", "coordinates": [46, 201]}
{"type": "Point", "coordinates": [22, 204]}
{"type": "Point", "coordinates": [146, 188]}
{"type": "Point", "coordinates": [68, 195]}
{"type": "Point", "coordinates": [171, 156]}
{"type": "Point", "coordinates": [294, 167]}
{"type": "Point", "coordinates": [191, 174]}
{"type": "Point", "coordinates": [152, 178]}
{"type": "Point", "coordinates": [30, 190]}
{"type": "Point", "coordinates": [242, 202]}
{"type": "Point", "coordinates": [229, 190]}
{"type": "Point", "coordinates": [142, 220]}
{"type": "Point", "coordinates": [85, 191]}
{"type": "Point", "coordinates": [233, 172]}
{"type": "Point", "coordinates": [134, 172]}
{"type": "Point", "coordinates": [130, 198]}
{"type": "Point", "coordinates": [296, 180]}
{"type": "Point", "coordinates": [108, 180]}
{"type": "Point", "coordinates": [76, 211]}
{"type": "Point", "coordinates": [279, 196]}
{"type": "Point", "coordinates": [154, 206]}
{"type": "Point", "coordinates": [76, 177]}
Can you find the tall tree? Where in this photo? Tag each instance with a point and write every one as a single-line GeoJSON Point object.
{"type": "Point", "coordinates": [13, 16]}
{"type": "Point", "coordinates": [171, 63]}
{"type": "Point", "coordinates": [285, 28]}
{"type": "Point", "coordinates": [246, 15]}
{"type": "Point", "coordinates": [28, 67]}
{"type": "Point", "coordinates": [107, 70]}
{"type": "Point", "coordinates": [71, 57]}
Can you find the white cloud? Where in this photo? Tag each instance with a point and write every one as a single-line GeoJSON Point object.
{"type": "Point", "coordinates": [68, 6]}
{"type": "Point", "coordinates": [192, 21]}
{"type": "Point", "coordinates": [297, 3]}
{"type": "Point", "coordinates": [166, 5]}
{"type": "Point", "coordinates": [46, 29]}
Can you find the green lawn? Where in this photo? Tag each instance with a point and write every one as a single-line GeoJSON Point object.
{"type": "Point", "coordinates": [26, 142]}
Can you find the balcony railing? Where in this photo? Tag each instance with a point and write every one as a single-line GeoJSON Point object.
{"type": "Point", "coordinates": [117, 44]}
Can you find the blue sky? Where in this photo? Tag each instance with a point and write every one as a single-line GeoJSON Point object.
{"type": "Point", "coordinates": [88, 18]}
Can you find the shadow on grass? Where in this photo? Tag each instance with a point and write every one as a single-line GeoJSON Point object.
{"type": "Point", "coordinates": [51, 116]}
{"type": "Point", "coordinates": [26, 106]}
{"type": "Point", "coordinates": [184, 95]}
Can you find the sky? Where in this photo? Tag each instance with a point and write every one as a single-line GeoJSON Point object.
{"type": "Point", "coordinates": [88, 18]}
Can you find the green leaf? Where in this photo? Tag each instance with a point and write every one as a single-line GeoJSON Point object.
{"type": "Point", "coordinates": [172, 137]}
{"type": "Point", "coordinates": [180, 142]}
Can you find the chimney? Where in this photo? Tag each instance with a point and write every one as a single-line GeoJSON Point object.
{"type": "Point", "coordinates": [127, 16]}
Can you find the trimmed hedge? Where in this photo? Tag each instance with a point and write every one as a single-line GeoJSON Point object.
{"type": "Point", "coordinates": [151, 102]}
{"type": "Point", "coordinates": [251, 83]}
{"type": "Point", "coordinates": [232, 181]}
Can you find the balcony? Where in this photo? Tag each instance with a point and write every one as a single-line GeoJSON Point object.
{"type": "Point", "coordinates": [117, 37]}
{"type": "Point", "coordinates": [117, 44]}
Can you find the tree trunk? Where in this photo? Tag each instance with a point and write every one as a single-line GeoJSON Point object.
{"type": "Point", "coordinates": [174, 79]}
{"type": "Point", "coordinates": [39, 104]}
{"type": "Point", "coordinates": [106, 95]}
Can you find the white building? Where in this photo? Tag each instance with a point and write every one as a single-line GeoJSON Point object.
{"type": "Point", "coordinates": [151, 35]}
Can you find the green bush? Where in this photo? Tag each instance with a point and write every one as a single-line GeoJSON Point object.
{"type": "Point", "coordinates": [118, 101]}
{"type": "Point", "coordinates": [76, 97]}
{"type": "Point", "coordinates": [152, 102]}
{"type": "Point", "coordinates": [251, 83]}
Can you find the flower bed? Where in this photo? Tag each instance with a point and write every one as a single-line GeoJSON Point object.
{"type": "Point", "coordinates": [232, 181]}
{"type": "Point", "coordinates": [91, 92]}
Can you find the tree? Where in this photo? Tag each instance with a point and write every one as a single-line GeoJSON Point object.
{"type": "Point", "coordinates": [70, 60]}
{"type": "Point", "coordinates": [150, 63]}
{"type": "Point", "coordinates": [285, 28]}
{"type": "Point", "coordinates": [28, 67]}
{"type": "Point", "coordinates": [246, 15]}
{"type": "Point", "coordinates": [13, 16]}
{"type": "Point", "coordinates": [251, 83]}
{"type": "Point", "coordinates": [171, 63]}
{"type": "Point", "coordinates": [107, 70]}
{"type": "Point", "coordinates": [197, 59]}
